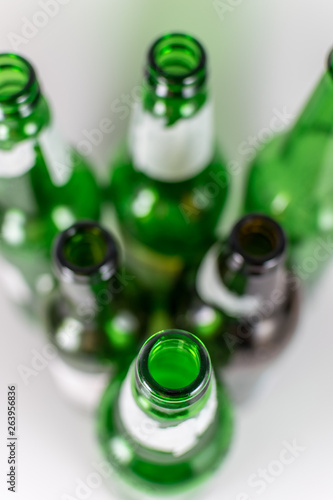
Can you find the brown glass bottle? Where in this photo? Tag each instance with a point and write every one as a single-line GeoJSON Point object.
{"type": "Point", "coordinates": [242, 302]}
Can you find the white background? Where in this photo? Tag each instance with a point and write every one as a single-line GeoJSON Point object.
{"type": "Point", "coordinates": [264, 56]}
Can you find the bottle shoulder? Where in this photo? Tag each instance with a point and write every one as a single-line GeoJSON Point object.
{"type": "Point", "coordinates": [264, 335]}
{"type": "Point", "coordinates": [19, 128]}
{"type": "Point", "coordinates": [151, 470]}
{"type": "Point", "coordinates": [170, 218]}
{"type": "Point", "coordinates": [96, 333]}
{"type": "Point", "coordinates": [123, 167]}
{"type": "Point", "coordinates": [291, 181]}
{"type": "Point", "coordinates": [47, 184]}
{"type": "Point", "coordinates": [230, 335]}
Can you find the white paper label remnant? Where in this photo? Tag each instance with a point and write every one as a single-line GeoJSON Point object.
{"type": "Point", "coordinates": [212, 290]}
{"type": "Point", "coordinates": [57, 156]}
{"type": "Point", "coordinates": [151, 433]}
{"type": "Point", "coordinates": [18, 160]}
{"type": "Point", "coordinates": [173, 153]}
{"type": "Point", "coordinates": [22, 157]}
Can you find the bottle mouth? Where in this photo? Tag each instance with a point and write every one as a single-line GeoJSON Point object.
{"type": "Point", "coordinates": [173, 369]}
{"type": "Point", "coordinates": [85, 250]}
{"type": "Point", "coordinates": [176, 65]}
{"type": "Point", "coordinates": [259, 240]}
{"type": "Point", "coordinates": [19, 88]}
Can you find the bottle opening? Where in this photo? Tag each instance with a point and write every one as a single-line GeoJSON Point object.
{"type": "Point", "coordinates": [174, 363]}
{"type": "Point", "coordinates": [259, 238]}
{"type": "Point", "coordinates": [84, 249]}
{"type": "Point", "coordinates": [15, 74]}
{"type": "Point", "coordinates": [177, 55]}
{"type": "Point", "coordinates": [18, 84]}
{"type": "Point", "coordinates": [173, 369]}
{"type": "Point", "coordinates": [176, 65]}
{"type": "Point", "coordinates": [256, 239]}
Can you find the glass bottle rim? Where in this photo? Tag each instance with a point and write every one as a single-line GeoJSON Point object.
{"type": "Point", "coordinates": [100, 261]}
{"type": "Point", "coordinates": [22, 99]}
{"type": "Point", "coordinates": [189, 78]}
{"type": "Point", "coordinates": [259, 241]}
{"type": "Point", "coordinates": [173, 397]}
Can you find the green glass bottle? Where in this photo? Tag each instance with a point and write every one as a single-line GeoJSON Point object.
{"type": "Point", "coordinates": [44, 185]}
{"type": "Point", "coordinates": [167, 425]}
{"type": "Point", "coordinates": [292, 179]}
{"type": "Point", "coordinates": [243, 303]}
{"type": "Point", "coordinates": [97, 317]}
{"type": "Point", "coordinates": [170, 187]}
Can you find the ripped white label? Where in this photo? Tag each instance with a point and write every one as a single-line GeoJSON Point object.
{"type": "Point", "coordinates": [22, 157]}
{"type": "Point", "coordinates": [57, 156]}
{"type": "Point", "coordinates": [18, 160]}
{"type": "Point", "coordinates": [173, 153]}
{"type": "Point", "coordinates": [212, 290]}
{"type": "Point", "coordinates": [177, 439]}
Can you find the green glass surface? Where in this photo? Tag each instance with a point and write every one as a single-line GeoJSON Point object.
{"type": "Point", "coordinates": [97, 316]}
{"type": "Point", "coordinates": [33, 207]}
{"type": "Point", "coordinates": [169, 399]}
{"type": "Point", "coordinates": [292, 177]}
{"type": "Point", "coordinates": [167, 223]}
{"type": "Point", "coordinates": [173, 364]}
{"type": "Point", "coordinates": [85, 248]}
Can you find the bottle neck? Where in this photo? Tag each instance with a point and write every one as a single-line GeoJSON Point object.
{"type": "Point", "coordinates": [241, 274]}
{"type": "Point", "coordinates": [24, 116]}
{"type": "Point", "coordinates": [318, 112]}
{"type": "Point", "coordinates": [23, 110]}
{"type": "Point", "coordinates": [86, 262]}
{"type": "Point", "coordinates": [155, 405]}
{"type": "Point", "coordinates": [19, 87]}
{"type": "Point", "coordinates": [171, 133]}
{"type": "Point", "coordinates": [87, 299]}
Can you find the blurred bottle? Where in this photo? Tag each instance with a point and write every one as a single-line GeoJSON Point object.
{"type": "Point", "coordinates": [242, 302]}
{"type": "Point", "coordinates": [170, 187]}
{"type": "Point", "coordinates": [167, 425]}
{"type": "Point", "coordinates": [44, 185]}
{"type": "Point", "coordinates": [97, 317]}
{"type": "Point", "coordinates": [292, 181]}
